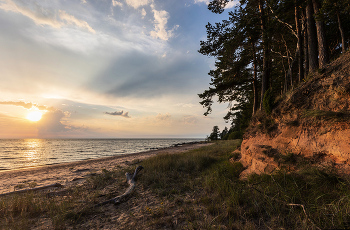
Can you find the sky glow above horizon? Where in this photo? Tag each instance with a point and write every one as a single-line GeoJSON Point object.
{"type": "Point", "coordinates": [105, 69]}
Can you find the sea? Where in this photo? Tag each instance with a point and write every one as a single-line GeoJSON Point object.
{"type": "Point", "coordinates": [24, 153]}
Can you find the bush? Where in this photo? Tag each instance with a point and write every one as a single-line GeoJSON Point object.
{"type": "Point", "coordinates": [234, 135]}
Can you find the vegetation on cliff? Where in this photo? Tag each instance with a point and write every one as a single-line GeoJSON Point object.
{"type": "Point", "coordinates": [266, 48]}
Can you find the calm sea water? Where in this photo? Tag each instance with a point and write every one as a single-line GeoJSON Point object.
{"type": "Point", "coordinates": [23, 153]}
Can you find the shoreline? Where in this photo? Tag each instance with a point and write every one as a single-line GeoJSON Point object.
{"type": "Point", "coordinates": [75, 172]}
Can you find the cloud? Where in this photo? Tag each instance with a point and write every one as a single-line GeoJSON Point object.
{"type": "Point", "coordinates": [19, 103]}
{"type": "Point", "coordinates": [189, 119]}
{"type": "Point", "coordinates": [229, 5]}
{"type": "Point", "coordinates": [70, 19]}
{"type": "Point", "coordinates": [119, 113]}
{"type": "Point", "coordinates": [42, 16]}
{"type": "Point", "coordinates": [50, 122]}
{"type": "Point", "coordinates": [39, 15]}
{"type": "Point", "coordinates": [160, 29]}
{"type": "Point", "coordinates": [116, 3]}
{"type": "Point", "coordinates": [163, 117]}
{"type": "Point", "coordinates": [188, 105]}
{"type": "Point", "coordinates": [137, 3]}
{"type": "Point", "coordinates": [28, 105]}
{"type": "Point", "coordinates": [143, 12]}
{"type": "Point", "coordinates": [83, 1]}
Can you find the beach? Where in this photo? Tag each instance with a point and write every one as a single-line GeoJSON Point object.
{"type": "Point", "coordinates": [68, 174]}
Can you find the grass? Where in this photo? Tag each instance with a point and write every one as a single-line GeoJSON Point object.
{"type": "Point", "coordinates": [200, 189]}
{"type": "Point", "coordinates": [309, 198]}
{"type": "Point", "coordinates": [327, 115]}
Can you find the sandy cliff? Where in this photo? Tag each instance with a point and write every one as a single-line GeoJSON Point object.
{"type": "Point", "coordinates": [312, 120]}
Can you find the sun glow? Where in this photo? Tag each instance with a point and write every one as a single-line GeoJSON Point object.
{"type": "Point", "coordinates": [34, 116]}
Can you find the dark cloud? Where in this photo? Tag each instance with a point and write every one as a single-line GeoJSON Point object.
{"type": "Point", "coordinates": [143, 75]}
{"type": "Point", "coordinates": [119, 113]}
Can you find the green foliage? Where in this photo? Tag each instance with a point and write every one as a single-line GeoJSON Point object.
{"type": "Point", "coordinates": [224, 133]}
{"type": "Point", "coordinates": [235, 135]}
{"type": "Point", "coordinates": [327, 115]}
{"type": "Point", "coordinates": [215, 134]}
{"type": "Point", "coordinates": [237, 45]}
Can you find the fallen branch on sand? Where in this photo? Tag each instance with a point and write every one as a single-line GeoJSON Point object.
{"type": "Point", "coordinates": [131, 180]}
{"type": "Point", "coordinates": [56, 185]}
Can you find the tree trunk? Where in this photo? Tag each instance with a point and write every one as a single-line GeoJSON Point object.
{"type": "Point", "coordinates": [285, 76]}
{"type": "Point", "coordinates": [343, 43]}
{"type": "Point", "coordinates": [321, 38]}
{"type": "Point", "coordinates": [255, 82]}
{"type": "Point", "coordinates": [299, 45]}
{"type": "Point", "coordinates": [306, 49]}
{"type": "Point", "coordinates": [265, 74]}
{"type": "Point", "coordinates": [312, 38]}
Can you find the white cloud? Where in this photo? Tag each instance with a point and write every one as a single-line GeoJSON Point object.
{"type": "Point", "coordinates": [205, 1]}
{"type": "Point", "coordinates": [143, 12]}
{"type": "Point", "coordinates": [189, 105]}
{"type": "Point", "coordinates": [160, 28]}
{"type": "Point", "coordinates": [83, 1]}
{"type": "Point", "coordinates": [231, 4]}
{"type": "Point", "coordinates": [137, 3]}
{"type": "Point", "coordinates": [42, 16]}
{"type": "Point", "coordinates": [70, 19]}
{"type": "Point", "coordinates": [228, 6]}
{"type": "Point", "coordinates": [116, 3]}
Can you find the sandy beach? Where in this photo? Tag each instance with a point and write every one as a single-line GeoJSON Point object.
{"type": "Point", "coordinates": [68, 174]}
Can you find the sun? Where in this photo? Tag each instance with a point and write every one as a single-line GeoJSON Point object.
{"type": "Point", "coordinates": [34, 116]}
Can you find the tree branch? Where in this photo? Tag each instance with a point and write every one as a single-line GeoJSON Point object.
{"type": "Point", "coordinates": [131, 180]}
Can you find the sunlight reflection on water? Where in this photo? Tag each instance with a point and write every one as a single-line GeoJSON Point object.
{"type": "Point", "coordinates": [22, 153]}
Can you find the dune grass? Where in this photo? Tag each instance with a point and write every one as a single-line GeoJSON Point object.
{"type": "Point", "coordinates": [309, 198]}
{"type": "Point", "coordinates": [201, 189]}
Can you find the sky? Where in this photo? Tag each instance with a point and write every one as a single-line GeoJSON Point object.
{"type": "Point", "coordinates": [105, 69]}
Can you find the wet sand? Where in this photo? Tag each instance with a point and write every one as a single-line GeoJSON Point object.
{"type": "Point", "coordinates": [68, 174]}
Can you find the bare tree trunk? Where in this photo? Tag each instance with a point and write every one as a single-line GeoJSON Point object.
{"type": "Point", "coordinates": [312, 38]}
{"type": "Point", "coordinates": [343, 43]}
{"type": "Point", "coordinates": [321, 38]}
{"type": "Point", "coordinates": [306, 50]}
{"type": "Point", "coordinates": [255, 82]}
{"type": "Point", "coordinates": [265, 74]}
{"type": "Point", "coordinates": [299, 45]}
{"type": "Point", "coordinates": [285, 76]}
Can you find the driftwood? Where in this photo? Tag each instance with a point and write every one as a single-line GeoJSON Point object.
{"type": "Point", "coordinates": [131, 180]}
{"type": "Point", "coordinates": [56, 185]}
